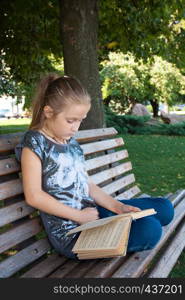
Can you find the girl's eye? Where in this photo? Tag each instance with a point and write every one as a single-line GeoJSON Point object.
{"type": "Point", "coordinates": [73, 121]}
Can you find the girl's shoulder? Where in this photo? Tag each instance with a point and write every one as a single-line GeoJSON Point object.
{"type": "Point", "coordinates": [32, 133]}
{"type": "Point", "coordinates": [33, 136]}
{"type": "Point", "coordinates": [31, 139]}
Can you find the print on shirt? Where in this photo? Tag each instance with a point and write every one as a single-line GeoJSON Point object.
{"type": "Point", "coordinates": [71, 177]}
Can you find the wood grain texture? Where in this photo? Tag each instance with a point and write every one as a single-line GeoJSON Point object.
{"type": "Point", "coordinates": [118, 184]}
{"type": "Point", "coordinates": [111, 173]}
{"type": "Point", "coordinates": [14, 212]}
{"type": "Point", "coordinates": [23, 258]}
{"type": "Point", "coordinates": [19, 233]}
{"type": "Point", "coordinates": [10, 188]}
{"type": "Point", "coordinates": [95, 147]}
{"type": "Point", "coordinates": [107, 159]}
{"type": "Point", "coordinates": [47, 266]}
{"type": "Point", "coordinates": [9, 166]}
{"type": "Point", "coordinates": [9, 141]}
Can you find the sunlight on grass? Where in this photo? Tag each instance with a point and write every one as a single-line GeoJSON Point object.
{"type": "Point", "coordinates": [13, 125]}
{"type": "Point", "coordinates": [157, 162]}
{"type": "Point", "coordinates": [8, 122]}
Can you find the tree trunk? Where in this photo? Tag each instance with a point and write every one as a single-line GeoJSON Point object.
{"type": "Point", "coordinates": [155, 107]}
{"type": "Point", "coordinates": [79, 27]}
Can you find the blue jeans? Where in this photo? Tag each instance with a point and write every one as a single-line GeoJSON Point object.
{"type": "Point", "coordinates": [145, 232]}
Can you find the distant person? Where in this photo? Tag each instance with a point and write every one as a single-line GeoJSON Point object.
{"type": "Point", "coordinates": [139, 109]}
{"type": "Point", "coordinates": [171, 118]}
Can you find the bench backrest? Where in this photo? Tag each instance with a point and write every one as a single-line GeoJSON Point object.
{"type": "Point", "coordinates": [22, 239]}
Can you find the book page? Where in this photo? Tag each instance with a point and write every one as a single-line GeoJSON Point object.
{"type": "Point", "coordinates": [101, 222]}
{"type": "Point", "coordinates": [111, 236]}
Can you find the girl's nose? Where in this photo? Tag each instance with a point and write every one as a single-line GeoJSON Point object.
{"type": "Point", "coordinates": [75, 126]}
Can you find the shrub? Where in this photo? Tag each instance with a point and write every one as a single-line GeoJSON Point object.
{"type": "Point", "coordinates": [138, 125]}
{"type": "Point", "coordinates": [176, 129]}
{"type": "Point", "coordinates": [125, 123]}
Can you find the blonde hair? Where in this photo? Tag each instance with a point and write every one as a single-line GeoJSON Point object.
{"type": "Point", "coordinates": [57, 92]}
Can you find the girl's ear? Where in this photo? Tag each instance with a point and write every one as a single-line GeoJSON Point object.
{"type": "Point", "coordinates": [48, 112]}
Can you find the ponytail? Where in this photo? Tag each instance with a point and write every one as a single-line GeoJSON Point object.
{"type": "Point", "coordinates": [40, 101]}
{"type": "Point", "coordinates": [56, 92]}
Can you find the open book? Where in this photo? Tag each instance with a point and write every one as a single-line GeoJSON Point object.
{"type": "Point", "coordinates": [107, 237]}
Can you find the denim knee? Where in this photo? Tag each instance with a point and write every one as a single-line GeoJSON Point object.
{"type": "Point", "coordinates": [163, 207]}
{"type": "Point", "coordinates": [166, 213]}
{"type": "Point", "coordinates": [145, 233]}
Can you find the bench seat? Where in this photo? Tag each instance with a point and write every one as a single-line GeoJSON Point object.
{"type": "Point", "coordinates": [24, 248]}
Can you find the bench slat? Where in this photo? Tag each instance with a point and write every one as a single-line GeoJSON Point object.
{"type": "Point", "coordinates": [18, 234]}
{"type": "Point", "coordinates": [96, 147]}
{"type": "Point", "coordinates": [45, 267]}
{"type": "Point", "coordinates": [101, 161]}
{"type": "Point", "coordinates": [170, 256]}
{"type": "Point", "coordinates": [132, 192]}
{"type": "Point", "coordinates": [119, 184]}
{"type": "Point", "coordinates": [64, 269]}
{"type": "Point", "coordinates": [111, 172]}
{"type": "Point", "coordinates": [23, 258]}
{"type": "Point", "coordinates": [136, 264]}
{"type": "Point", "coordinates": [14, 212]}
{"type": "Point", "coordinates": [176, 197]}
{"type": "Point", "coordinates": [80, 271]}
{"type": "Point", "coordinates": [9, 141]}
{"type": "Point", "coordinates": [21, 209]}
{"type": "Point", "coordinates": [9, 166]}
{"type": "Point", "coordinates": [10, 188]}
{"type": "Point", "coordinates": [105, 267]}
{"type": "Point", "coordinates": [92, 134]}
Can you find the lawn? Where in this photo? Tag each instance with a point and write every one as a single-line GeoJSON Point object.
{"type": "Point", "coordinates": [13, 125]}
{"type": "Point", "coordinates": [158, 164]}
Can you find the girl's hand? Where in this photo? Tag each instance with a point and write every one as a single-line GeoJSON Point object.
{"type": "Point", "coordinates": [128, 208]}
{"type": "Point", "coordinates": [88, 214]}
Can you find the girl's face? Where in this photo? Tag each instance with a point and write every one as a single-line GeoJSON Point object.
{"type": "Point", "coordinates": [65, 124]}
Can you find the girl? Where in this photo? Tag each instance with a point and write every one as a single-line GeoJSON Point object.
{"type": "Point", "coordinates": [54, 176]}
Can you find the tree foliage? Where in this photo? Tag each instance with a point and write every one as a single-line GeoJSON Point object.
{"type": "Point", "coordinates": [168, 81]}
{"type": "Point", "coordinates": [30, 36]}
{"type": "Point", "coordinates": [29, 33]}
{"type": "Point", "coordinates": [144, 27]}
{"type": "Point", "coordinates": [124, 79]}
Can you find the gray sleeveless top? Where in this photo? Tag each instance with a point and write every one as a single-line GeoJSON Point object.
{"type": "Point", "coordinates": [63, 176]}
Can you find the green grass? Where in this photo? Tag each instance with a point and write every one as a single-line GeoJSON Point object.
{"type": "Point", "coordinates": [158, 164]}
{"type": "Point", "coordinates": [178, 271]}
{"type": "Point", "coordinates": [13, 125]}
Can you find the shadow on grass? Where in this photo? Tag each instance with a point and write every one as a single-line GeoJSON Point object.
{"type": "Point", "coordinates": [12, 128]}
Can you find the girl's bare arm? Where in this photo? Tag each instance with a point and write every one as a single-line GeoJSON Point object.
{"type": "Point", "coordinates": [36, 197]}
{"type": "Point", "coordinates": [108, 202]}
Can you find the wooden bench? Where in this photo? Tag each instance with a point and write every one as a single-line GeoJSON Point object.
{"type": "Point", "coordinates": [25, 250]}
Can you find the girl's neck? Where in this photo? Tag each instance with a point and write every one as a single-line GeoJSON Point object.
{"type": "Point", "coordinates": [52, 137]}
